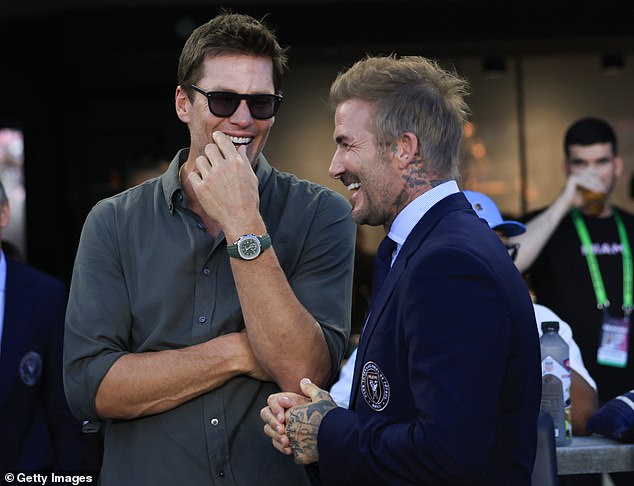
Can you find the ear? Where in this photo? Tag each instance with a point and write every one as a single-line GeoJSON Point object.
{"type": "Point", "coordinates": [406, 149]}
{"type": "Point", "coordinates": [565, 166]}
{"type": "Point", "coordinates": [183, 104]}
{"type": "Point", "coordinates": [618, 166]}
{"type": "Point", "coordinates": [4, 216]}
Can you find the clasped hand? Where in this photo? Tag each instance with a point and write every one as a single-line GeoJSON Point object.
{"type": "Point", "coordinates": [292, 421]}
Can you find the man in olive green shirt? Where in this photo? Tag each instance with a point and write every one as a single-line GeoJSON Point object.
{"type": "Point", "coordinates": [172, 341]}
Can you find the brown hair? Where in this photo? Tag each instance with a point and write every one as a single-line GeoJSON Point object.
{"type": "Point", "coordinates": [412, 94]}
{"type": "Point", "coordinates": [229, 33]}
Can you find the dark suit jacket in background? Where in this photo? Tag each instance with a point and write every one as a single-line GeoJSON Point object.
{"type": "Point", "coordinates": [37, 430]}
{"type": "Point", "coordinates": [449, 363]}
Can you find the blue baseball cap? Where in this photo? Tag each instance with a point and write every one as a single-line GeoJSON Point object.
{"type": "Point", "coordinates": [486, 209]}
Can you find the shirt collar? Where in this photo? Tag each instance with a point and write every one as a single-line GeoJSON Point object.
{"type": "Point", "coordinates": [172, 184]}
{"type": "Point", "coordinates": [3, 271]}
{"type": "Point", "coordinates": [412, 213]}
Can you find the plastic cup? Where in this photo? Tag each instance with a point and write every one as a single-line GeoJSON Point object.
{"type": "Point", "coordinates": [593, 202]}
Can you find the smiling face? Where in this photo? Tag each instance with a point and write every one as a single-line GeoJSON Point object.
{"type": "Point", "coordinates": [237, 73]}
{"type": "Point", "coordinates": [373, 178]}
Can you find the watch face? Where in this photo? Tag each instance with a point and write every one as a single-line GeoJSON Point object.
{"type": "Point", "coordinates": [249, 247]}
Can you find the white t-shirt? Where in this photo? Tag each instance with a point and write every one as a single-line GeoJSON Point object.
{"type": "Point", "coordinates": [340, 391]}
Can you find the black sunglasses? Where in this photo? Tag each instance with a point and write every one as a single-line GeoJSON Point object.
{"type": "Point", "coordinates": [225, 103]}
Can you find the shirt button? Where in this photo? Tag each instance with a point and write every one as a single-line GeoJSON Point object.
{"type": "Point", "coordinates": [221, 473]}
{"type": "Point", "coordinates": [215, 421]}
{"type": "Point", "coordinates": [206, 271]}
{"type": "Point", "coordinates": [201, 226]}
{"type": "Point", "coordinates": [202, 319]}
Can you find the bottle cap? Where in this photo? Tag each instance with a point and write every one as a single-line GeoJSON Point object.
{"type": "Point", "coordinates": [550, 326]}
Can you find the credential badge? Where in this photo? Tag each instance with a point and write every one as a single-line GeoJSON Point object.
{"type": "Point", "coordinates": [31, 368]}
{"type": "Point", "coordinates": [374, 386]}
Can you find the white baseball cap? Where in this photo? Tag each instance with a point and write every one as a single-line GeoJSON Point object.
{"type": "Point", "coordinates": [486, 209]}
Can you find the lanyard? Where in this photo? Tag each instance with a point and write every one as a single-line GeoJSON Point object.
{"type": "Point", "coordinates": [593, 265]}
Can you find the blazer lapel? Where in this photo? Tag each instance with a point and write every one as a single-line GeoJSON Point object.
{"type": "Point", "coordinates": [412, 244]}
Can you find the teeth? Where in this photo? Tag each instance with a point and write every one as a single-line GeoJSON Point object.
{"type": "Point", "coordinates": [353, 186]}
{"type": "Point", "coordinates": [240, 140]}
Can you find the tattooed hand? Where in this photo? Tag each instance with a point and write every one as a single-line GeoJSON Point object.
{"type": "Point", "coordinates": [303, 421]}
{"type": "Point", "coordinates": [274, 418]}
{"type": "Point", "coordinates": [292, 421]}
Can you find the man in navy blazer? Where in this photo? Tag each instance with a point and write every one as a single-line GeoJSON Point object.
{"type": "Point", "coordinates": [446, 387]}
{"type": "Point", "coordinates": [37, 431]}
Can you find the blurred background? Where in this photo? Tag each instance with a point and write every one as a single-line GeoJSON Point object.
{"type": "Point", "coordinates": [87, 94]}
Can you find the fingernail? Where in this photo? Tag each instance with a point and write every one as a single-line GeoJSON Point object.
{"type": "Point", "coordinates": [304, 381]}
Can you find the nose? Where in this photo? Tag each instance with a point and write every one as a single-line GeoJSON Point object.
{"type": "Point", "coordinates": [336, 168]}
{"type": "Point", "coordinates": [242, 115]}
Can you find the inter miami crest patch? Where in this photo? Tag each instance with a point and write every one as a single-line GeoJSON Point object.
{"type": "Point", "coordinates": [31, 368]}
{"type": "Point", "coordinates": [374, 386]}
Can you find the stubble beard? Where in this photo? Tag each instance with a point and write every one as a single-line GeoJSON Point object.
{"type": "Point", "coordinates": [367, 215]}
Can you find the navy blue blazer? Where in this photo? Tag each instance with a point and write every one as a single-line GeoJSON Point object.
{"type": "Point", "coordinates": [447, 381]}
{"type": "Point", "coordinates": [37, 430]}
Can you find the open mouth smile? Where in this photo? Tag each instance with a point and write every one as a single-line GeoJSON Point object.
{"type": "Point", "coordinates": [240, 140]}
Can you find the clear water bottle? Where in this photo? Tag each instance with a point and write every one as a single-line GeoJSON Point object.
{"type": "Point", "coordinates": [556, 381]}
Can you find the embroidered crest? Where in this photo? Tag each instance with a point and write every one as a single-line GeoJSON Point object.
{"type": "Point", "coordinates": [374, 386]}
{"type": "Point", "coordinates": [31, 368]}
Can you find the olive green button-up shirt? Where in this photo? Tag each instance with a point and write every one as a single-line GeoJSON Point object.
{"type": "Point", "coordinates": [147, 277]}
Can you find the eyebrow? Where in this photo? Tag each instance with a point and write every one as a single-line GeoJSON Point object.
{"type": "Point", "coordinates": [577, 160]}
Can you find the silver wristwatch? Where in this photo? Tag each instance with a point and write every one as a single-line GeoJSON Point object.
{"type": "Point", "coordinates": [249, 247]}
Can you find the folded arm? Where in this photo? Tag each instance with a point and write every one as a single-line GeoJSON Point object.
{"type": "Point", "coordinates": [128, 350]}
{"type": "Point", "coordinates": [141, 384]}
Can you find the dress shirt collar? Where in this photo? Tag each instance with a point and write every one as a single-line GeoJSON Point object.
{"type": "Point", "coordinates": [171, 179]}
{"type": "Point", "coordinates": [411, 214]}
{"type": "Point", "coordinates": [3, 271]}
